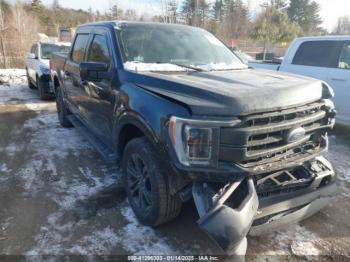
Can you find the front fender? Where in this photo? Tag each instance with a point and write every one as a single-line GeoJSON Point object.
{"type": "Point", "coordinates": [147, 111]}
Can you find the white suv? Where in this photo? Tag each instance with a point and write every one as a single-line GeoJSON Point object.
{"type": "Point", "coordinates": [326, 58]}
{"type": "Point", "coordinates": [37, 66]}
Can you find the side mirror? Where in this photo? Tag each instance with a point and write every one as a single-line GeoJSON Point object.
{"type": "Point", "coordinates": [31, 56]}
{"type": "Point", "coordinates": [93, 71]}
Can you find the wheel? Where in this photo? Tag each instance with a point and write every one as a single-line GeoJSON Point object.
{"type": "Point", "coordinates": [30, 84]}
{"type": "Point", "coordinates": [41, 85]}
{"type": "Point", "coordinates": [146, 184]}
{"type": "Point", "coordinates": [62, 109]}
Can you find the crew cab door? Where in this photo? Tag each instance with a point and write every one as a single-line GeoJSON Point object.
{"type": "Point", "coordinates": [74, 86]}
{"type": "Point", "coordinates": [101, 93]}
{"type": "Point", "coordinates": [339, 79]}
{"type": "Point", "coordinates": [313, 59]}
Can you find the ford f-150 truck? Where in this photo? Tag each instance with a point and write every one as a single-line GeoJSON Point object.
{"type": "Point", "coordinates": [188, 119]}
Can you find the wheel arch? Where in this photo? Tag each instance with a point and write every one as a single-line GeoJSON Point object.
{"type": "Point", "coordinates": [131, 126]}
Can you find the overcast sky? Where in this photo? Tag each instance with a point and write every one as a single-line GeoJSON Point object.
{"type": "Point", "coordinates": [331, 9]}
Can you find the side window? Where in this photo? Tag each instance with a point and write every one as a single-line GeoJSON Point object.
{"type": "Point", "coordinates": [344, 60]}
{"type": "Point", "coordinates": [99, 50]}
{"type": "Point", "coordinates": [34, 50]}
{"type": "Point", "coordinates": [318, 53]}
{"type": "Point", "coordinates": [79, 47]}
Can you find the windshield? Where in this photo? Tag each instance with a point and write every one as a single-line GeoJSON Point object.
{"type": "Point", "coordinates": [173, 48]}
{"type": "Point", "coordinates": [48, 49]}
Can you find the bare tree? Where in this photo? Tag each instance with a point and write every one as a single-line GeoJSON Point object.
{"type": "Point", "coordinates": [2, 31]}
{"type": "Point", "coordinates": [343, 26]}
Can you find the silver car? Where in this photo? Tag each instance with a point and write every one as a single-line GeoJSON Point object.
{"type": "Point", "coordinates": [37, 66]}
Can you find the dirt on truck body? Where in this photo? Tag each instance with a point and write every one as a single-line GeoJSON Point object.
{"type": "Point", "coordinates": [188, 119]}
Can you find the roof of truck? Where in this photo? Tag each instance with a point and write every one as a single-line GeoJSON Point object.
{"type": "Point", "coordinates": [325, 37]}
{"type": "Point", "coordinates": [121, 23]}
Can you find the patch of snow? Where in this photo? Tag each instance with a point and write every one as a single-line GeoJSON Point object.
{"type": "Point", "coordinates": [50, 140]}
{"type": "Point", "coordinates": [13, 93]}
{"type": "Point", "coordinates": [297, 240]}
{"type": "Point", "coordinates": [3, 172]}
{"type": "Point", "coordinates": [11, 76]}
{"type": "Point", "coordinates": [100, 242]}
{"type": "Point", "coordinates": [168, 67]}
{"type": "Point", "coordinates": [142, 67]}
{"type": "Point", "coordinates": [3, 168]}
{"type": "Point", "coordinates": [222, 66]}
{"type": "Point", "coordinates": [140, 239]}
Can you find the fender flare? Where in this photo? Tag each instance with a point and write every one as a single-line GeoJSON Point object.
{"type": "Point", "coordinates": [136, 120]}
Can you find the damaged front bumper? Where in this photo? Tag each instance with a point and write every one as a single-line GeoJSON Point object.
{"type": "Point", "coordinates": [257, 206]}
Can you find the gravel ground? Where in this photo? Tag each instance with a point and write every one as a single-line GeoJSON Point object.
{"type": "Point", "coordinates": [58, 197]}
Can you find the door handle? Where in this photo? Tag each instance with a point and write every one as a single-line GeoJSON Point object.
{"type": "Point", "coordinates": [339, 79]}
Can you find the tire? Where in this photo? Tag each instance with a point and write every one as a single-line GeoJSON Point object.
{"type": "Point", "coordinates": [146, 185]}
{"type": "Point", "coordinates": [62, 109]}
{"type": "Point", "coordinates": [30, 84]}
{"type": "Point", "coordinates": [41, 85]}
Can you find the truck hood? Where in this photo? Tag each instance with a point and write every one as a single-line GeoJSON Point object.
{"type": "Point", "coordinates": [231, 93]}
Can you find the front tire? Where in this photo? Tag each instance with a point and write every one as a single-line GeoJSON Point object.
{"type": "Point", "coordinates": [41, 88]}
{"type": "Point", "coordinates": [62, 109]}
{"type": "Point", "coordinates": [146, 184]}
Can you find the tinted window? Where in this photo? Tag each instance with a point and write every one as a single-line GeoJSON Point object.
{"type": "Point", "coordinates": [79, 47]}
{"type": "Point", "coordinates": [99, 50]}
{"type": "Point", "coordinates": [344, 60]}
{"type": "Point", "coordinates": [48, 49]}
{"type": "Point", "coordinates": [318, 53]}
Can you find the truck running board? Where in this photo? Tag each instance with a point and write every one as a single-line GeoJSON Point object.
{"type": "Point", "coordinates": [108, 155]}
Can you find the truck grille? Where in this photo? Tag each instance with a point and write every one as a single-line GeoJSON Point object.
{"type": "Point", "coordinates": [264, 138]}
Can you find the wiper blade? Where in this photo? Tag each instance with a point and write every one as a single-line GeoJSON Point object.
{"type": "Point", "coordinates": [189, 67]}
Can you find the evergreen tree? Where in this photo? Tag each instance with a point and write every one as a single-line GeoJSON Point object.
{"type": "Point", "coordinates": [273, 26]}
{"type": "Point", "coordinates": [195, 12]}
{"type": "Point", "coordinates": [306, 14]}
{"type": "Point", "coordinates": [236, 18]}
{"type": "Point", "coordinates": [218, 10]}
{"type": "Point", "coordinates": [279, 4]}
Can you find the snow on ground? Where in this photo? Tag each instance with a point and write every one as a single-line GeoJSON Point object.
{"type": "Point", "coordinates": [11, 76]}
{"type": "Point", "coordinates": [11, 94]}
{"type": "Point", "coordinates": [58, 168]}
{"type": "Point", "coordinates": [61, 167]}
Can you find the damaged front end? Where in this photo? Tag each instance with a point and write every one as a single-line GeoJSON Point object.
{"type": "Point", "coordinates": [259, 204]}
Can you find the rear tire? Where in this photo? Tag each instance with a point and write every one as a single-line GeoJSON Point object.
{"type": "Point", "coordinates": [146, 184]}
{"type": "Point", "coordinates": [41, 88]}
{"type": "Point", "coordinates": [62, 109]}
{"type": "Point", "coordinates": [30, 84]}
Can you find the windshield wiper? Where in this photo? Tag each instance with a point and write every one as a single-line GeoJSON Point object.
{"type": "Point", "coordinates": [198, 69]}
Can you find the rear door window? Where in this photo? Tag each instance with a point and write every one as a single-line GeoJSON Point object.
{"type": "Point", "coordinates": [318, 53]}
{"type": "Point", "coordinates": [34, 50]}
{"type": "Point", "coordinates": [78, 51]}
{"type": "Point", "coordinates": [344, 59]}
{"type": "Point", "coordinates": [99, 51]}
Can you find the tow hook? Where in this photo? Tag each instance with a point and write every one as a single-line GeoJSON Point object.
{"type": "Point", "coordinates": [227, 215]}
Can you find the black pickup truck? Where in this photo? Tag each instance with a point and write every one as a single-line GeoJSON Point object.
{"type": "Point", "coordinates": [188, 120]}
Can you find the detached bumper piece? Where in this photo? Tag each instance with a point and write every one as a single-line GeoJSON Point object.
{"type": "Point", "coordinates": [288, 197]}
{"type": "Point", "coordinates": [271, 201]}
{"type": "Point", "coordinates": [228, 215]}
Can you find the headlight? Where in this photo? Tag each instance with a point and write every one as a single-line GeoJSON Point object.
{"type": "Point", "coordinates": [196, 142]}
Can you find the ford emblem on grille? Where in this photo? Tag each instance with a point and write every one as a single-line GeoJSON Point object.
{"type": "Point", "coordinates": [294, 135]}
